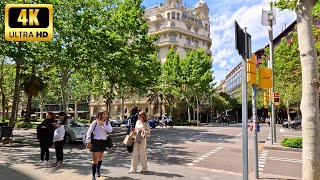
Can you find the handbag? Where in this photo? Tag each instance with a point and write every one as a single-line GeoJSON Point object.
{"type": "Point", "coordinates": [128, 140]}
{"type": "Point", "coordinates": [130, 148]}
{"type": "Point", "coordinates": [109, 142]}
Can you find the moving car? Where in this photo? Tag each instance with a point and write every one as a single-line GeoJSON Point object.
{"type": "Point", "coordinates": [295, 124]}
{"type": "Point", "coordinates": [115, 122]}
{"type": "Point", "coordinates": [75, 131]}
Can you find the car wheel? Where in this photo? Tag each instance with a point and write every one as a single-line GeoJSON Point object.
{"type": "Point", "coordinates": [119, 125]}
{"type": "Point", "coordinates": [67, 139]}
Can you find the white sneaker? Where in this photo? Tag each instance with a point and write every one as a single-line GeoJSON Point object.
{"type": "Point", "coordinates": [39, 163]}
{"type": "Point", "coordinates": [45, 163]}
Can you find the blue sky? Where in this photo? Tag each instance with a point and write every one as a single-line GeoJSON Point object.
{"type": "Point", "coordinates": [223, 13]}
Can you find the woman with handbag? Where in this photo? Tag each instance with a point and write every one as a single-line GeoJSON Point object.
{"type": "Point", "coordinates": [141, 130]}
{"type": "Point", "coordinates": [96, 140]}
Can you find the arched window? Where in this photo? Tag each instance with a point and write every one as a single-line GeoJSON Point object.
{"type": "Point", "coordinates": [178, 16]}
{"type": "Point", "coordinates": [173, 16]}
{"type": "Point", "coordinates": [177, 4]}
{"type": "Point", "coordinates": [170, 3]}
{"type": "Point", "coordinates": [206, 27]}
{"type": "Point", "coordinates": [168, 16]}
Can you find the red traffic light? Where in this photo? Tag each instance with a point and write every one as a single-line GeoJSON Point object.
{"type": "Point", "coordinates": [276, 95]}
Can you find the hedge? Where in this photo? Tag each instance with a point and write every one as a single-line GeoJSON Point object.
{"type": "Point", "coordinates": [292, 142]}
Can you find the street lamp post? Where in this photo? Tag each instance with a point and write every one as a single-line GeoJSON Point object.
{"type": "Point", "coordinates": [269, 19]}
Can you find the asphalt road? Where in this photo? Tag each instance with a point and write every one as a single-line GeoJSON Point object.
{"type": "Point", "coordinates": [173, 153]}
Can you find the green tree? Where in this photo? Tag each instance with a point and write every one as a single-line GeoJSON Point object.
{"type": "Point", "coordinates": [287, 70]}
{"type": "Point", "coordinates": [310, 84]}
{"type": "Point", "coordinates": [196, 74]}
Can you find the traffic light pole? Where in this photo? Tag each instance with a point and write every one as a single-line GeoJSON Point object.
{"type": "Point", "coordinates": [244, 112]}
{"type": "Point", "coordinates": [270, 65]}
{"type": "Point", "coordinates": [254, 119]}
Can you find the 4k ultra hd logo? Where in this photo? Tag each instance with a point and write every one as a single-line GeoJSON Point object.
{"type": "Point", "coordinates": [28, 22]}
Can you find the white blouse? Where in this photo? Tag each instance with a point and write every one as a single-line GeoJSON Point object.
{"type": "Point", "coordinates": [100, 132]}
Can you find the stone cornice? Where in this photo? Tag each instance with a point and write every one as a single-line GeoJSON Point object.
{"type": "Point", "coordinates": [183, 31]}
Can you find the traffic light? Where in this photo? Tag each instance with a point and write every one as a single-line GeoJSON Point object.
{"type": "Point", "coordinates": [265, 81]}
{"type": "Point", "coordinates": [251, 70]}
{"type": "Point", "coordinates": [266, 99]}
{"type": "Point", "coordinates": [276, 99]}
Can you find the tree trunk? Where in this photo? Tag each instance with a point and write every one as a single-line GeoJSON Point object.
{"type": "Point", "coordinates": [122, 109]}
{"type": "Point", "coordinates": [160, 107]}
{"type": "Point", "coordinates": [76, 109]}
{"type": "Point", "coordinates": [16, 94]}
{"type": "Point", "coordinates": [64, 89]}
{"type": "Point", "coordinates": [41, 105]}
{"type": "Point", "coordinates": [288, 111]}
{"type": "Point", "coordinates": [3, 105]}
{"type": "Point", "coordinates": [298, 112]}
{"type": "Point", "coordinates": [310, 94]}
{"type": "Point", "coordinates": [189, 114]}
{"type": "Point", "coordinates": [28, 111]}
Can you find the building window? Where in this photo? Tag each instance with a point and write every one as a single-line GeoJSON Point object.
{"type": "Point", "coordinates": [196, 43]}
{"type": "Point", "coordinates": [177, 4]}
{"type": "Point", "coordinates": [180, 36]}
{"type": "Point", "coordinates": [206, 26]}
{"type": "Point", "coordinates": [188, 41]}
{"type": "Point", "coordinates": [173, 16]}
{"type": "Point", "coordinates": [170, 3]}
{"type": "Point", "coordinates": [172, 24]}
{"type": "Point", "coordinates": [168, 16]}
{"type": "Point", "coordinates": [178, 16]}
{"type": "Point", "coordinates": [173, 38]}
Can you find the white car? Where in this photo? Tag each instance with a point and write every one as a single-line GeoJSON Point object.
{"type": "Point", "coordinates": [115, 122]}
{"type": "Point", "coordinates": [75, 131]}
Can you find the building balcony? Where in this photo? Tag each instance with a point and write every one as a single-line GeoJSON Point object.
{"type": "Point", "coordinates": [191, 46]}
{"type": "Point", "coordinates": [182, 31]}
{"type": "Point", "coordinates": [167, 43]}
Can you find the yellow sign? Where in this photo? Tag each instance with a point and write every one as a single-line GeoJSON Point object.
{"type": "Point", "coordinates": [28, 22]}
{"type": "Point", "coordinates": [265, 75]}
{"type": "Point", "coordinates": [251, 70]}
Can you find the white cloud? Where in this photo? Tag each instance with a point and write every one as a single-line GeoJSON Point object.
{"type": "Point", "coordinates": [248, 14]}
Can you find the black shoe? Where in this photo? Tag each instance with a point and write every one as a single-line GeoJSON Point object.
{"type": "Point", "coordinates": [93, 178]}
{"type": "Point", "coordinates": [98, 175]}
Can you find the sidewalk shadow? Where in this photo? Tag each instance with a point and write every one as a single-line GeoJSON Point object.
{"type": "Point", "coordinates": [8, 173]}
{"type": "Point", "coordinates": [118, 178]}
{"type": "Point", "coordinates": [167, 175]}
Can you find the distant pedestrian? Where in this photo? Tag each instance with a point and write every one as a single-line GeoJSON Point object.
{"type": "Point", "coordinates": [141, 131]}
{"type": "Point", "coordinates": [45, 137]}
{"type": "Point", "coordinates": [58, 138]}
{"type": "Point", "coordinates": [96, 140]}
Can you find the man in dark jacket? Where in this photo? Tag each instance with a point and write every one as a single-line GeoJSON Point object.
{"type": "Point", "coordinates": [45, 133]}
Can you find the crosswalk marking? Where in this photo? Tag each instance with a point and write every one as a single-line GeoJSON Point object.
{"type": "Point", "coordinates": [285, 159]}
{"type": "Point", "coordinates": [262, 160]}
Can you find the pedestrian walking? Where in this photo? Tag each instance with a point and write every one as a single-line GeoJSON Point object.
{"type": "Point", "coordinates": [141, 131]}
{"type": "Point", "coordinates": [45, 137]}
{"type": "Point", "coordinates": [58, 138]}
{"type": "Point", "coordinates": [96, 140]}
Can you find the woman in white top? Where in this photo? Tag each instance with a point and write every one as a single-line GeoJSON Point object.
{"type": "Point", "coordinates": [98, 143]}
{"type": "Point", "coordinates": [141, 131]}
{"type": "Point", "coordinates": [58, 138]}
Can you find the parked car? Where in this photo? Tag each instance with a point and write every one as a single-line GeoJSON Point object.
{"type": "Point", "coordinates": [115, 122]}
{"type": "Point", "coordinates": [153, 123]}
{"type": "Point", "coordinates": [75, 131]}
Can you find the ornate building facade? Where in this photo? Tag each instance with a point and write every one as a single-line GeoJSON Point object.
{"type": "Point", "coordinates": [184, 27]}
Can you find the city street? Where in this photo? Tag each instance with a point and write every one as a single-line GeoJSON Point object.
{"type": "Point", "coordinates": [173, 153]}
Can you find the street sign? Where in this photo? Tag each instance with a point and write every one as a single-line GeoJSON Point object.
{"type": "Point", "coordinates": [276, 98]}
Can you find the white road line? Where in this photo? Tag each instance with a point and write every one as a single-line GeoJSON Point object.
{"type": "Point", "coordinates": [204, 156]}
{"type": "Point", "coordinates": [208, 154]}
{"type": "Point", "coordinates": [190, 164]}
{"type": "Point", "coordinates": [195, 161]}
{"type": "Point", "coordinates": [285, 159]}
{"type": "Point", "coordinates": [282, 130]}
{"type": "Point", "coordinates": [261, 162]}
{"type": "Point", "coordinates": [261, 165]}
{"type": "Point", "coordinates": [214, 150]}
{"type": "Point", "coordinates": [239, 134]}
{"type": "Point", "coordinates": [200, 158]}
